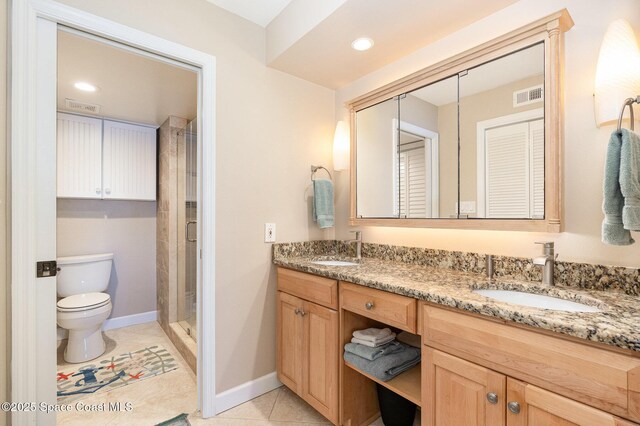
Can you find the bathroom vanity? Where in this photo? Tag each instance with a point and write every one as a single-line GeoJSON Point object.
{"type": "Point", "coordinates": [484, 362]}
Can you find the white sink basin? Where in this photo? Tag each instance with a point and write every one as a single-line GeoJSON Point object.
{"type": "Point", "coordinates": [334, 263]}
{"type": "Point", "coordinates": [536, 300]}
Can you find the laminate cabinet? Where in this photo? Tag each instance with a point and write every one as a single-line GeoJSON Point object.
{"type": "Point", "coordinates": [104, 159]}
{"type": "Point", "coordinates": [307, 334]}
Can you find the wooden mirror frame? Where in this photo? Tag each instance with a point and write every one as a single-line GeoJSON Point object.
{"type": "Point", "coordinates": [549, 30]}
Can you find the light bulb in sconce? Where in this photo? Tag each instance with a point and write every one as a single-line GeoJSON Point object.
{"type": "Point", "coordinates": [617, 72]}
{"type": "Point", "coordinates": [341, 147]}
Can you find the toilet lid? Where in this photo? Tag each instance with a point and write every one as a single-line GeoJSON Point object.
{"type": "Point", "coordinates": [83, 301]}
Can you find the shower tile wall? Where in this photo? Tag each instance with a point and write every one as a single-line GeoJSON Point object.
{"type": "Point", "coordinates": [168, 231]}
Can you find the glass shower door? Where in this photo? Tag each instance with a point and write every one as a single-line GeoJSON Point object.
{"type": "Point", "coordinates": [187, 222]}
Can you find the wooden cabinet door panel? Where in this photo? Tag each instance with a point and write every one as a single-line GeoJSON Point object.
{"type": "Point", "coordinates": [290, 337]}
{"type": "Point", "coordinates": [456, 392]}
{"type": "Point", "coordinates": [539, 407]}
{"type": "Point", "coordinates": [321, 360]}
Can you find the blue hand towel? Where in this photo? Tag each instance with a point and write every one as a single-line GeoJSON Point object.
{"type": "Point", "coordinates": [388, 366]}
{"type": "Point", "coordinates": [323, 203]}
{"type": "Point", "coordinates": [630, 179]}
{"type": "Point", "coordinates": [613, 231]}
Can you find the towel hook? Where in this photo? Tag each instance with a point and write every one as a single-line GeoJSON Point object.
{"type": "Point", "coordinates": [314, 169]}
{"type": "Point", "coordinates": [628, 102]}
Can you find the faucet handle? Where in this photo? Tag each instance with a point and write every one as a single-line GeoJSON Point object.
{"type": "Point", "coordinates": [547, 244]}
{"type": "Point", "coordinates": [358, 233]}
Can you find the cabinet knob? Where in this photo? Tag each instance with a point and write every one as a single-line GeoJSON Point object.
{"type": "Point", "coordinates": [297, 311]}
{"type": "Point", "coordinates": [303, 313]}
{"type": "Point", "coordinates": [368, 305]}
{"type": "Point", "coordinates": [107, 191]}
{"type": "Point", "coordinates": [98, 191]}
{"type": "Point", "coordinates": [514, 407]}
{"type": "Point", "coordinates": [492, 398]}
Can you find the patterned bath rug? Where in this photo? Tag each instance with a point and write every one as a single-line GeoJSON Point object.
{"type": "Point", "coordinates": [112, 372]}
{"type": "Point", "coordinates": [179, 420]}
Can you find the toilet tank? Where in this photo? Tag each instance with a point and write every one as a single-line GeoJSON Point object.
{"type": "Point", "coordinates": [83, 274]}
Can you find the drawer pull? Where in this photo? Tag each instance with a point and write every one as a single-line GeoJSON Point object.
{"type": "Point", "coordinates": [303, 313]}
{"type": "Point", "coordinates": [297, 311]}
{"type": "Point", "coordinates": [368, 305]}
{"type": "Point", "coordinates": [514, 407]}
{"type": "Point", "coordinates": [492, 398]}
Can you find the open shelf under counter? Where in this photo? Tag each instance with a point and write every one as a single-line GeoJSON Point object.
{"type": "Point", "coordinates": [406, 384]}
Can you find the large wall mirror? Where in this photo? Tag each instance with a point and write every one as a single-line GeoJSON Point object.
{"type": "Point", "coordinates": [472, 142]}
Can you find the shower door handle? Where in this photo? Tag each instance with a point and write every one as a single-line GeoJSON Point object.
{"type": "Point", "coordinates": [186, 231]}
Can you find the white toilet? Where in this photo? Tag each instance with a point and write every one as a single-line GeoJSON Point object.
{"type": "Point", "coordinates": [83, 307]}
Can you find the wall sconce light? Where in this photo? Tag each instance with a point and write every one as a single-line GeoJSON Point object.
{"type": "Point", "coordinates": [617, 72]}
{"type": "Point", "coordinates": [341, 147]}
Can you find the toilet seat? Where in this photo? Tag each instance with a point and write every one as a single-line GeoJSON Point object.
{"type": "Point", "coordinates": [83, 302]}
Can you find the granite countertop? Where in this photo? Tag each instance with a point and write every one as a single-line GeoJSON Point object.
{"type": "Point", "coordinates": [617, 323]}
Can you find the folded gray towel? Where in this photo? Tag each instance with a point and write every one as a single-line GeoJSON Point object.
{"type": "Point", "coordinates": [630, 179]}
{"type": "Point", "coordinates": [377, 343]}
{"type": "Point", "coordinates": [323, 203]}
{"type": "Point", "coordinates": [372, 334]}
{"type": "Point", "coordinates": [388, 366]}
{"type": "Point", "coordinates": [370, 353]}
{"type": "Point", "coordinates": [613, 231]}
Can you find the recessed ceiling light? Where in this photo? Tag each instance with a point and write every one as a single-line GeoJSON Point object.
{"type": "Point", "coordinates": [85, 87]}
{"type": "Point", "coordinates": [362, 43]}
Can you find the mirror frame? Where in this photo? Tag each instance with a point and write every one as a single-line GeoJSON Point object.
{"type": "Point", "coordinates": [549, 30]}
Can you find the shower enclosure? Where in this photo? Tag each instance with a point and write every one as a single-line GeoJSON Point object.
{"type": "Point", "coordinates": [188, 229]}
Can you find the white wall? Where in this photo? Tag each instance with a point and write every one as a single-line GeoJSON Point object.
{"type": "Point", "coordinates": [270, 127]}
{"type": "Point", "coordinates": [125, 228]}
{"type": "Point", "coordinates": [584, 149]}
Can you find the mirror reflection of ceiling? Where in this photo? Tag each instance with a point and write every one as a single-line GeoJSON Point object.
{"type": "Point", "coordinates": [508, 69]}
{"type": "Point", "coordinates": [131, 87]}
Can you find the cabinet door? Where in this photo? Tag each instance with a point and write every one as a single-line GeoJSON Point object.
{"type": "Point", "coordinates": [459, 392]}
{"type": "Point", "coordinates": [290, 339]}
{"type": "Point", "coordinates": [538, 407]}
{"type": "Point", "coordinates": [129, 165]}
{"type": "Point", "coordinates": [79, 156]}
{"type": "Point", "coordinates": [321, 360]}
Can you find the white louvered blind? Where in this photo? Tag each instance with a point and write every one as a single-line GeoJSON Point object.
{"type": "Point", "coordinates": [79, 156]}
{"type": "Point", "coordinates": [507, 171]}
{"type": "Point", "coordinates": [515, 171]}
{"type": "Point", "coordinates": [413, 183]}
{"type": "Point", "coordinates": [129, 163]}
{"type": "Point", "coordinates": [536, 137]}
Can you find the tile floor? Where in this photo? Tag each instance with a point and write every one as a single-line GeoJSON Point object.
{"type": "Point", "coordinates": [161, 398]}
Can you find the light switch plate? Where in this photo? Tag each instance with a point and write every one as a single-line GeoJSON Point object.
{"type": "Point", "coordinates": [269, 232]}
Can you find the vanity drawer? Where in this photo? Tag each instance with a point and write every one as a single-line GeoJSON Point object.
{"type": "Point", "coordinates": [583, 372]}
{"type": "Point", "coordinates": [320, 290]}
{"type": "Point", "coordinates": [389, 308]}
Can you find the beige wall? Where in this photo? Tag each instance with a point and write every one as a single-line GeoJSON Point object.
{"type": "Point", "coordinates": [125, 228]}
{"type": "Point", "coordinates": [584, 149]}
{"type": "Point", "coordinates": [4, 266]}
{"type": "Point", "coordinates": [270, 127]}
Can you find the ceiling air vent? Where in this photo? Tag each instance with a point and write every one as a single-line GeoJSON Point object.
{"type": "Point", "coordinates": [81, 107]}
{"type": "Point", "coordinates": [528, 96]}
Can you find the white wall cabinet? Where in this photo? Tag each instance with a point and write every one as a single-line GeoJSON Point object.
{"type": "Point", "coordinates": [103, 159]}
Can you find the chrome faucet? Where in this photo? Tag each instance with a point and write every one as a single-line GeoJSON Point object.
{"type": "Point", "coordinates": [547, 261]}
{"type": "Point", "coordinates": [358, 241]}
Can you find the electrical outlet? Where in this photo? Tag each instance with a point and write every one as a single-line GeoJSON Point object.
{"type": "Point", "coordinates": [269, 232]}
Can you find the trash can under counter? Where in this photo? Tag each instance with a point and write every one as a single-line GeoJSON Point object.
{"type": "Point", "coordinates": [394, 409]}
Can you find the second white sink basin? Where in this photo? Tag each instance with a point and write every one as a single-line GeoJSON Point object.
{"type": "Point", "coordinates": [334, 263]}
{"type": "Point", "coordinates": [536, 300]}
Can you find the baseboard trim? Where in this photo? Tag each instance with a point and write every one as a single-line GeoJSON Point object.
{"type": "Point", "coordinates": [246, 391]}
{"type": "Point", "coordinates": [128, 320]}
{"type": "Point", "coordinates": [118, 322]}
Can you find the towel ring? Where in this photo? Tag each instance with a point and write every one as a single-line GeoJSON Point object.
{"type": "Point", "coordinates": [314, 169]}
{"type": "Point", "coordinates": [628, 102]}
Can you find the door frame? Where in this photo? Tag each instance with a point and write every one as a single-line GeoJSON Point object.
{"type": "Point", "coordinates": [431, 160]}
{"type": "Point", "coordinates": [27, 104]}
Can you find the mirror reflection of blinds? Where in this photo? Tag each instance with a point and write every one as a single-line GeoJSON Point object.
{"type": "Point", "coordinates": [515, 170]}
{"type": "Point", "coordinates": [412, 193]}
